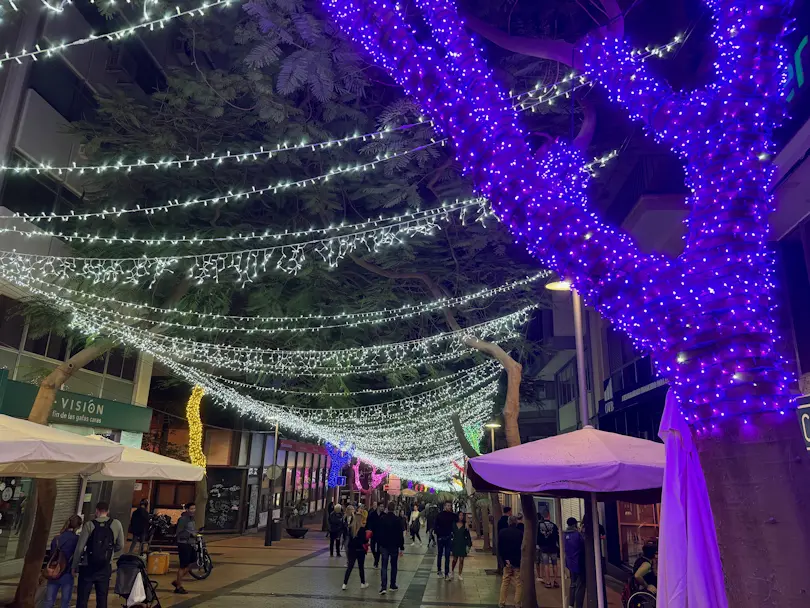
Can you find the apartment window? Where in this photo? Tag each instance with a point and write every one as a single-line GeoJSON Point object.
{"type": "Point", "coordinates": [96, 365]}
{"type": "Point", "coordinates": [50, 345]}
{"type": "Point", "coordinates": [32, 193]}
{"type": "Point", "coordinates": [121, 363]}
{"type": "Point", "coordinates": [57, 84]}
{"type": "Point", "coordinates": [11, 324]}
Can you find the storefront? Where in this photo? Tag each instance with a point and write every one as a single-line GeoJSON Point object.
{"type": "Point", "coordinates": [304, 473]}
{"type": "Point", "coordinates": [77, 413]}
{"type": "Point", "coordinates": [633, 406]}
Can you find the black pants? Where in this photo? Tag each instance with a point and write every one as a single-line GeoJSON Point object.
{"type": "Point", "coordinates": [415, 535]}
{"type": "Point", "coordinates": [360, 558]}
{"type": "Point", "coordinates": [392, 556]}
{"type": "Point", "coordinates": [443, 544]}
{"type": "Point", "coordinates": [375, 551]}
{"type": "Point", "coordinates": [334, 543]}
{"type": "Point", "coordinates": [89, 580]}
{"type": "Point", "coordinates": [576, 594]}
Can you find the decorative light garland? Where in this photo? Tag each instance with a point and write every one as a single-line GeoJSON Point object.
{"type": "Point", "coordinates": [368, 359]}
{"type": "Point", "coordinates": [374, 482]}
{"type": "Point", "coordinates": [111, 36]}
{"type": "Point", "coordinates": [339, 456]}
{"type": "Point", "coordinates": [245, 264]}
{"type": "Point", "coordinates": [474, 434]}
{"type": "Point", "coordinates": [195, 427]}
{"type": "Point", "coordinates": [384, 315]}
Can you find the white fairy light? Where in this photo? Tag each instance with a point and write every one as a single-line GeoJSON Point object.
{"type": "Point", "coordinates": [224, 198]}
{"type": "Point", "coordinates": [150, 25]}
{"type": "Point", "coordinates": [299, 324]}
{"type": "Point", "coordinates": [244, 265]}
{"type": "Point", "coordinates": [360, 360]}
{"type": "Point", "coordinates": [359, 228]}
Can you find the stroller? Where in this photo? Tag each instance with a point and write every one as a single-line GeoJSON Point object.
{"type": "Point", "coordinates": [133, 584]}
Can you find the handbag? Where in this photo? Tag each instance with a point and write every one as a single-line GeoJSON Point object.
{"type": "Point", "coordinates": [57, 564]}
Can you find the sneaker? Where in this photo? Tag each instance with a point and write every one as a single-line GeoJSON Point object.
{"type": "Point", "coordinates": [364, 585]}
{"type": "Point", "coordinates": [413, 543]}
{"type": "Point", "coordinates": [461, 578]}
{"type": "Point", "coordinates": [394, 587]}
{"type": "Point", "coordinates": [448, 578]}
{"type": "Point", "coordinates": [556, 585]}
{"type": "Point", "coordinates": [344, 587]}
{"type": "Point", "coordinates": [180, 590]}
{"type": "Point", "coordinates": [440, 575]}
{"type": "Point", "coordinates": [382, 591]}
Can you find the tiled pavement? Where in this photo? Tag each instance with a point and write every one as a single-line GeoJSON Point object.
{"type": "Point", "coordinates": [300, 574]}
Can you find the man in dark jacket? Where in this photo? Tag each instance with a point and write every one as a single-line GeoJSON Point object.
{"type": "Point", "coordinates": [335, 530]}
{"type": "Point", "coordinates": [575, 562]}
{"type": "Point", "coordinates": [391, 543]}
{"type": "Point", "coordinates": [139, 526]}
{"type": "Point", "coordinates": [372, 522]}
{"type": "Point", "coordinates": [503, 522]}
{"type": "Point", "coordinates": [444, 535]}
{"type": "Point", "coordinates": [510, 540]}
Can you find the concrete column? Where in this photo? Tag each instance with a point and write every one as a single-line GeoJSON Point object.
{"type": "Point", "coordinates": [143, 379]}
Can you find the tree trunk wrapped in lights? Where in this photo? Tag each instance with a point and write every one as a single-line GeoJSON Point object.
{"type": "Point", "coordinates": [706, 317]}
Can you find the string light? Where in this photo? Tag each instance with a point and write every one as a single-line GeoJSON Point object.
{"type": "Point", "coordinates": [115, 36]}
{"type": "Point", "coordinates": [369, 359]}
{"type": "Point", "coordinates": [375, 480]}
{"type": "Point", "coordinates": [358, 229]}
{"type": "Point", "coordinates": [339, 456]}
{"type": "Point", "coordinates": [246, 265]}
{"type": "Point", "coordinates": [195, 427]}
{"type": "Point", "coordinates": [299, 324]}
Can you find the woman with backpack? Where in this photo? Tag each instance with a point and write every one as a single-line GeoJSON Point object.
{"type": "Point", "coordinates": [57, 570]}
{"type": "Point", "coordinates": [415, 525]}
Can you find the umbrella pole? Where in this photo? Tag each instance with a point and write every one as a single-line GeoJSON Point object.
{"type": "Point", "coordinates": [82, 490]}
{"type": "Point", "coordinates": [597, 552]}
{"type": "Point", "coordinates": [561, 561]}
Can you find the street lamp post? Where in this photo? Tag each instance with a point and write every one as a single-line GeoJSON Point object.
{"type": "Point", "coordinates": [268, 531]}
{"type": "Point", "coordinates": [492, 426]}
{"type": "Point", "coordinates": [584, 417]}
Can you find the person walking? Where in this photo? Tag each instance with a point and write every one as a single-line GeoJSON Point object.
{"type": "Point", "coordinates": [356, 553]}
{"type": "Point", "coordinates": [510, 540]}
{"type": "Point", "coordinates": [348, 525]}
{"type": "Point", "coordinates": [415, 525]}
{"type": "Point", "coordinates": [371, 525]}
{"type": "Point", "coordinates": [575, 562]}
{"type": "Point", "coordinates": [430, 519]}
{"type": "Point", "coordinates": [186, 536]}
{"type": "Point", "coordinates": [460, 544]}
{"type": "Point", "coordinates": [99, 541]}
{"type": "Point", "coordinates": [391, 539]}
{"type": "Point", "coordinates": [335, 530]}
{"type": "Point", "coordinates": [63, 547]}
{"type": "Point", "coordinates": [445, 521]}
{"type": "Point", "coordinates": [139, 526]}
{"type": "Point", "coordinates": [548, 551]}
{"type": "Point", "coordinates": [503, 522]}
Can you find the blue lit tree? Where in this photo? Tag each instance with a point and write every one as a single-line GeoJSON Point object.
{"type": "Point", "coordinates": [705, 317]}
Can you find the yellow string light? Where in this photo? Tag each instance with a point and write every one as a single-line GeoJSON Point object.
{"type": "Point", "coordinates": [195, 427]}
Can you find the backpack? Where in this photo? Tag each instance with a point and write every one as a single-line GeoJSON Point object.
{"type": "Point", "coordinates": [57, 564]}
{"type": "Point", "coordinates": [100, 545]}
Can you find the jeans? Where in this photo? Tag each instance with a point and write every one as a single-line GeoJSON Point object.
{"type": "Point", "coordinates": [393, 555]}
{"type": "Point", "coordinates": [511, 575]}
{"type": "Point", "coordinates": [89, 580]}
{"type": "Point", "coordinates": [334, 543]}
{"type": "Point", "coordinates": [139, 540]}
{"type": "Point", "coordinates": [443, 544]}
{"type": "Point", "coordinates": [360, 558]}
{"type": "Point", "coordinates": [576, 594]}
{"type": "Point", "coordinates": [65, 583]}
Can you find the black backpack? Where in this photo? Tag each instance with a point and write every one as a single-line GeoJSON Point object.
{"type": "Point", "coordinates": [101, 544]}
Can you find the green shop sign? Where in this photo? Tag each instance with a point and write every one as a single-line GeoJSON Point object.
{"type": "Point", "coordinates": [17, 399]}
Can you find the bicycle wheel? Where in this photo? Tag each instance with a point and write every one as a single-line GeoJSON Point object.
{"type": "Point", "coordinates": [641, 599]}
{"type": "Point", "coordinates": [202, 571]}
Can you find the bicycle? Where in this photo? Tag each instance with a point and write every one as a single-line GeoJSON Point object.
{"type": "Point", "coordinates": [204, 564]}
{"type": "Point", "coordinates": [642, 599]}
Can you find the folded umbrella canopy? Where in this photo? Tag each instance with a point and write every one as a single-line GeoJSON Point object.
{"type": "Point", "coordinates": [28, 449]}
{"type": "Point", "coordinates": [574, 464]}
{"type": "Point", "coordinates": [142, 464]}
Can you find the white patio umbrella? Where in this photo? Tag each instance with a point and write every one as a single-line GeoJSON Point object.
{"type": "Point", "coordinates": [143, 464]}
{"type": "Point", "coordinates": [34, 450]}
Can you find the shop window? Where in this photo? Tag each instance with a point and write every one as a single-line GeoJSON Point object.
{"type": "Point", "coordinates": [218, 446]}
{"type": "Point", "coordinates": [172, 495]}
{"type": "Point", "coordinates": [121, 363]}
{"type": "Point", "coordinates": [11, 324]}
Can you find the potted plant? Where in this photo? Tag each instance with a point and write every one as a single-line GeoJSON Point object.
{"type": "Point", "coordinates": [294, 520]}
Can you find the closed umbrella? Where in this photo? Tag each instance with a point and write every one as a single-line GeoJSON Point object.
{"type": "Point", "coordinates": [34, 450]}
{"type": "Point", "coordinates": [690, 574]}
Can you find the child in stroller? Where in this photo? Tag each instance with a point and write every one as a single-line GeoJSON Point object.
{"type": "Point", "coordinates": [133, 585]}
